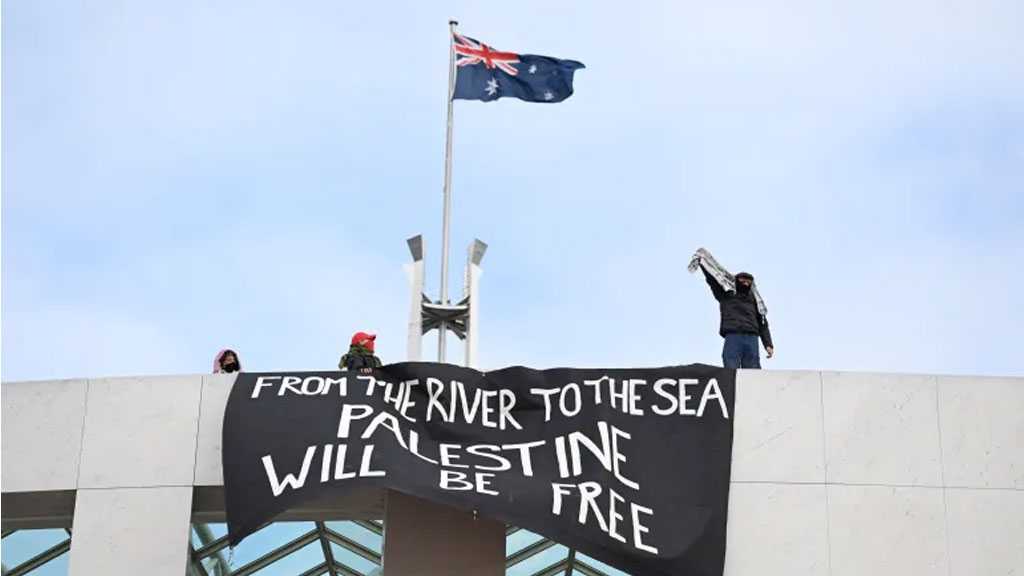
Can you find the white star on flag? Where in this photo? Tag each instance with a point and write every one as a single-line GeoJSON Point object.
{"type": "Point", "coordinates": [492, 87]}
{"type": "Point", "coordinates": [548, 96]}
{"type": "Point", "coordinates": [533, 69]}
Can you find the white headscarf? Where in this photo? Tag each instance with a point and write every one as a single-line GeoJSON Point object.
{"type": "Point", "coordinates": [726, 280]}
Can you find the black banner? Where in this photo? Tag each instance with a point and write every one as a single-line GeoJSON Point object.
{"type": "Point", "coordinates": [630, 466]}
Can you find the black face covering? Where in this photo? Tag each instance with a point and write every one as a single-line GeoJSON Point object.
{"type": "Point", "coordinates": [229, 367]}
{"type": "Point", "coordinates": [742, 289]}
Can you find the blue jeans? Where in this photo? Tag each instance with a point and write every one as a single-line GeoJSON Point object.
{"type": "Point", "coordinates": [741, 351]}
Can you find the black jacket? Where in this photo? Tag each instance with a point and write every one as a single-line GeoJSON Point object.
{"type": "Point", "coordinates": [739, 313]}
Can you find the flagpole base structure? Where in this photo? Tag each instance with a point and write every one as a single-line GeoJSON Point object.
{"type": "Point", "coordinates": [422, 537]}
{"type": "Point", "coordinates": [414, 272]}
{"type": "Point", "coordinates": [426, 315]}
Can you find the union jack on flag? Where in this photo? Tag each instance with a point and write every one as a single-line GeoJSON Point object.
{"type": "Point", "coordinates": [469, 52]}
{"type": "Point", "coordinates": [483, 73]}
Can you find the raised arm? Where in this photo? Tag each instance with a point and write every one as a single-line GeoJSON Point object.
{"type": "Point", "coordinates": [716, 288]}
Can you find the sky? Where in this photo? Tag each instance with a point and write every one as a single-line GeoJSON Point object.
{"type": "Point", "coordinates": [179, 177]}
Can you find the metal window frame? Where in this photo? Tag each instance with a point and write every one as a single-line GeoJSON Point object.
{"type": "Point", "coordinates": [51, 553]}
{"type": "Point", "coordinates": [331, 566]}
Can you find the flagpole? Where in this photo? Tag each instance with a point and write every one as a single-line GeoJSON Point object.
{"type": "Point", "coordinates": [442, 329]}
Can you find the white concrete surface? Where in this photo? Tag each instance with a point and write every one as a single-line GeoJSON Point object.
{"type": "Point", "coordinates": [216, 389]}
{"type": "Point", "coordinates": [140, 432]}
{"type": "Point", "coordinates": [778, 435]}
{"type": "Point", "coordinates": [985, 531]}
{"type": "Point", "coordinates": [833, 473]}
{"type": "Point", "coordinates": [131, 531]}
{"type": "Point", "coordinates": [982, 432]}
{"type": "Point", "coordinates": [881, 429]}
{"type": "Point", "coordinates": [777, 529]}
{"type": "Point", "coordinates": [886, 531]}
{"type": "Point", "coordinates": [42, 435]}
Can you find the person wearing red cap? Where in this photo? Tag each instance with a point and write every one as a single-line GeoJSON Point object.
{"type": "Point", "coordinates": [360, 354]}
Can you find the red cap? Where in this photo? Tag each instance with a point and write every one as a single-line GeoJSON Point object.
{"type": "Point", "coordinates": [363, 339]}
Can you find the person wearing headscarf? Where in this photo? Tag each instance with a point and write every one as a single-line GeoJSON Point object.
{"type": "Point", "coordinates": [226, 362]}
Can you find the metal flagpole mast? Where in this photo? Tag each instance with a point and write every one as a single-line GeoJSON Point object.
{"type": "Point", "coordinates": [441, 329]}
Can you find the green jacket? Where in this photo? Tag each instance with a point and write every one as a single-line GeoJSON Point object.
{"type": "Point", "coordinates": [359, 357]}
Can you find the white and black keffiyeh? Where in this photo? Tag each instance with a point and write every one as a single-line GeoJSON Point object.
{"type": "Point", "coordinates": [703, 258]}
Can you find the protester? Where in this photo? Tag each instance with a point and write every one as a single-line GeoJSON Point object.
{"type": "Point", "coordinates": [360, 354]}
{"type": "Point", "coordinates": [743, 313]}
{"type": "Point", "coordinates": [226, 362]}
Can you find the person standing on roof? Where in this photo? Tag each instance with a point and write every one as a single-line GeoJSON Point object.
{"type": "Point", "coordinates": [360, 355]}
{"type": "Point", "coordinates": [226, 361]}
{"type": "Point", "coordinates": [743, 313]}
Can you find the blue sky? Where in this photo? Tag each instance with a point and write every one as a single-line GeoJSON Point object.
{"type": "Point", "coordinates": [183, 176]}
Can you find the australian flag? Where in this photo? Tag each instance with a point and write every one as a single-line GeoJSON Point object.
{"type": "Point", "coordinates": [483, 73]}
